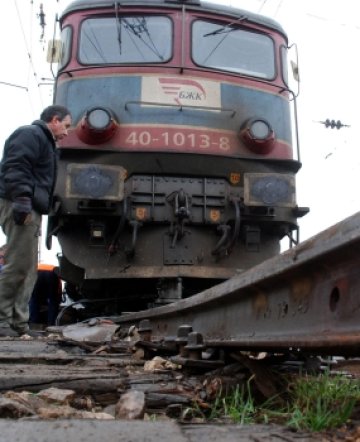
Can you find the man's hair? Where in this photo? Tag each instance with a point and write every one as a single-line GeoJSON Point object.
{"type": "Point", "coordinates": [54, 111]}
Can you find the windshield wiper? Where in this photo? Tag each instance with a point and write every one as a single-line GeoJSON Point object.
{"type": "Point", "coordinates": [118, 27]}
{"type": "Point", "coordinates": [139, 28]}
{"type": "Point", "coordinates": [226, 29]}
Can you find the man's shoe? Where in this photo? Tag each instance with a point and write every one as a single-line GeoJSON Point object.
{"type": "Point", "coordinates": [8, 332]}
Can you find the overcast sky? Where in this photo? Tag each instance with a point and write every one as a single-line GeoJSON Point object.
{"type": "Point", "coordinates": [327, 34]}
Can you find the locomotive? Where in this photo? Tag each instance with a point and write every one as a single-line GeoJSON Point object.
{"type": "Point", "coordinates": [179, 170]}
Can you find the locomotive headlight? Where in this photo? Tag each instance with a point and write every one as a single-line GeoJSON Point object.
{"type": "Point", "coordinates": [260, 130]}
{"type": "Point", "coordinates": [95, 182]}
{"type": "Point", "coordinates": [97, 126]}
{"type": "Point", "coordinates": [258, 135]}
{"type": "Point", "coordinates": [269, 189]}
{"type": "Point", "coordinates": [98, 118]}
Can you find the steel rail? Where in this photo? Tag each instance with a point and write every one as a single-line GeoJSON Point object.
{"type": "Point", "coordinates": [307, 299]}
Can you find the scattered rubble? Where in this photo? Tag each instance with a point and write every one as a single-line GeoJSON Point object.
{"type": "Point", "coordinates": [96, 330]}
{"type": "Point", "coordinates": [160, 364]}
{"type": "Point", "coordinates": [10, 408]}
{"type": "Point", "coordinates": [57, 395]}
{"type": "Point", "coordinates": [85, 371]}
{"type": "Point", "coordinates": [131, 405]}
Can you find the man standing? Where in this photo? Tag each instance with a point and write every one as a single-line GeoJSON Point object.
{"type": "Point", "coordinates": [27, 181]}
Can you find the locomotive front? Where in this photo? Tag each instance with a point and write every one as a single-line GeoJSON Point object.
{"type": "Point", "coordinates": [179, 171]}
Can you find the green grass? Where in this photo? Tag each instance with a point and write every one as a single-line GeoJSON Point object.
{"type": "Point", "coordinates": [239, 406]}
{"type": "Point", "coordinates": [313, 403]}
{"type": "Point", "coordinates": [322, 402]}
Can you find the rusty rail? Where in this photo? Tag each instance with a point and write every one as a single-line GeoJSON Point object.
{"type": "Point", "coordinates": [307, 298]}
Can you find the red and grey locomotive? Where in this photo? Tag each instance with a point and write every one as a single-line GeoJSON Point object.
{"type": "Point", "coordinates": [179, 171]}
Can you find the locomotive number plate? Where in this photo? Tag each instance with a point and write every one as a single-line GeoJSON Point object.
{"type": "Point", "coordinates": [200, 140]}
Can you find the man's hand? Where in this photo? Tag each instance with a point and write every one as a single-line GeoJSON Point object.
{"type": "Point", "coordinates": [22, 210]}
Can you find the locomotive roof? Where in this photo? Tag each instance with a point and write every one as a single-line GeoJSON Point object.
{"type": "Point", "coordinates": [190, 4]}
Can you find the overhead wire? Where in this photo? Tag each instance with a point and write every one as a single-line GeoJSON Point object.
{"type": "Point", "coordinates": [278, 8]}
{"type": "Point", "coordinates": [28, 51]}
{"type": "Point", "coordinates": [261, 7]}
{"type": "Point", "coordinates": [29, 66]}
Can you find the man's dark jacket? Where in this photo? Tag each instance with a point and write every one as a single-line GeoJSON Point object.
{"type": "Point", "coordinates": [28, 167]}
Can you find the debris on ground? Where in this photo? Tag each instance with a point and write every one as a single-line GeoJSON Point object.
{"type": "Point", "coordinates": [85, 371]}
{"type": "Point", "coordinates": [97, 330]}
{"type": "Point", "coordinates": [131, 405]}
{"type": "Point", "coordinates": [160, 364]}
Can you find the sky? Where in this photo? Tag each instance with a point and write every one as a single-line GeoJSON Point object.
{"type": "Point", "coordinates": [327, 34]}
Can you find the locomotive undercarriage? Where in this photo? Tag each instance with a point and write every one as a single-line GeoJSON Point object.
{"type": "Point", "coordinates": [168, 238]}
{"type": "Point", "coordinates": [158, 269]}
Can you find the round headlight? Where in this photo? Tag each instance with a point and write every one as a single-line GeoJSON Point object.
{"type": "Point", "coordinates": [98, 118]}
{"type": "Point", "coordinates": [97, 126]}
{"type": "Point", "coordinates": [258, 135]}
{"type": "Point", "coordinates": [260, 130]}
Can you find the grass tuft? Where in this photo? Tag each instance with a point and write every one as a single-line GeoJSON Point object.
{"type": "Point", "coordinates": [313, 403]}
{"type": "Point", "coordinates": [322, 402]}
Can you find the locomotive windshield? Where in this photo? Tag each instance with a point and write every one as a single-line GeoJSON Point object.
{"type": "Point", "coordinates": [233, 49]}
{"type": "Point", "coordinates": [66, 35]}
{"type": "Point", "coordinates": [130, 39]}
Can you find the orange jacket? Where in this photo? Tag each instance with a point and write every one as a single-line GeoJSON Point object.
{"type": "Point", "coordinates": [48, 267]}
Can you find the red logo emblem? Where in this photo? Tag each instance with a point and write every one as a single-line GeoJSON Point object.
{"type": "Point", "coordinates": [183, 90]}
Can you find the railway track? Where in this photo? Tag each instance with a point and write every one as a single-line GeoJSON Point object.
{"type": "Point", "coordinates": [53, 389]}
{"type": "Point", "coordinates": [305, 299]}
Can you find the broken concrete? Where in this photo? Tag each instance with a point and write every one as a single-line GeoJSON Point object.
{"type": "Point", "coordinates": [131, 405]}
{"type": "Point", "coordinates": [84, 332]}
{"type": "Point", "coordinates": [57, 395]}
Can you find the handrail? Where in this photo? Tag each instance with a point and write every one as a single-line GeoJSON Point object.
{"type": "Point", "coordinates": [179, 106]}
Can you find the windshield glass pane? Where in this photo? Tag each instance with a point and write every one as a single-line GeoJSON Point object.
{"type": "Point", "coordinates": [65, 47]}
{"type": "Point", "coordinates": [135, 39]}
{"type": "Point", "coordinates": [233, 49]}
